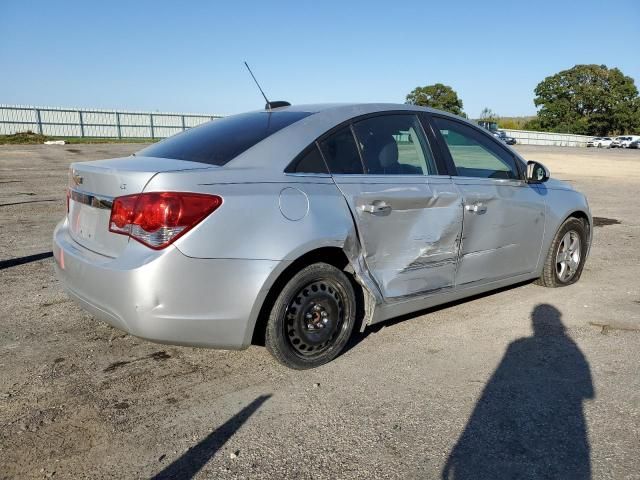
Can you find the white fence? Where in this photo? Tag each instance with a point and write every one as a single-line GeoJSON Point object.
{"type": "Point", "coordinates": [78, 122]}
{"type": "Point", "coordinates": [525, 137]}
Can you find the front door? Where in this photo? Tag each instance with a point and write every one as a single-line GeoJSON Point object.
{"type": "Point", "coordinates": [504, 216]}
{"type": "Point", "coordinates": [409, 219]}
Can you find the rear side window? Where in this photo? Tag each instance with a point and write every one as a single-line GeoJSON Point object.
{"type": "Point", "coordinates": [310, 161]}
{"type": "Point", "coordinates": [341, 152]}
{"type": "Point", "coordinates": [219, 141]}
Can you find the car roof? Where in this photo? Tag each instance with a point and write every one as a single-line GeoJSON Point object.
{"type": "Point", "coordinates": [373, 107]}
{"type": "Point", "coordinates": [280, 148]}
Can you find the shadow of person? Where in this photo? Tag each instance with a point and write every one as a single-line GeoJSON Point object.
{"type": "Point", "coordinates": [529, 422]}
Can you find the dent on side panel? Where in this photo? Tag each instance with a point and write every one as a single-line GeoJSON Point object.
{"type": "Point", "coordinates": [371, 292]}
{"type": "Point", "coordinates": [414, 250]}
{"type": "Point", "coordinates": [427, 252]}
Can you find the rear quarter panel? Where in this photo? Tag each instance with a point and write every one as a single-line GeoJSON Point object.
{"type": "Point", "coordinates": [280, 218]}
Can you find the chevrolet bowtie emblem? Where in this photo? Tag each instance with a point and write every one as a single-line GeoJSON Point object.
{"type": "Point", "coordinates": [77, 178]}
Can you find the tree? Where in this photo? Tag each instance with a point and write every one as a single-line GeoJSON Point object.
{"type": "Point", "coordinates": [589, 100]}
{"type": "Point", "coordinates": [533, 125]}
{"type": "Point", "coordinates": [488, 115]}
{"type": "Point", "coordinates": [439, 96]}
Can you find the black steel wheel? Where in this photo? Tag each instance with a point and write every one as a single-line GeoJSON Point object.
{"type": "Point", "coordinates": [312, 318]}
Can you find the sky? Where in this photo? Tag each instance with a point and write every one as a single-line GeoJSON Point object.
{"type": "Point", "coordinates": [187, 56]}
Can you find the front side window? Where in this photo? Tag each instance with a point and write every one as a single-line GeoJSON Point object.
{"type": "Point", "coordinates": [394, 145]}
{"type": "Point", "coordinates": [473, 154]}
{"type": "Point", "coordinates": [219, 141]}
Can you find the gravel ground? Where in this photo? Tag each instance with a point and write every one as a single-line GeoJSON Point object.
{"type": "Point", "coordinates": [526, 382]}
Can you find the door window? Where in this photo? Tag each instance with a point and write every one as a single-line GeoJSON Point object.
{"type": "Point", "coordinates": [394, 145]}
{"type": "Point", "coordinates": [474, 154]}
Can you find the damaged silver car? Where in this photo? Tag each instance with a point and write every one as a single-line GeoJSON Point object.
{"type": "Point", "coordinates": [296, 225]}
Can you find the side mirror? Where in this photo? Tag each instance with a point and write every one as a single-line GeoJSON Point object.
{"type": "Point", "coordinates": [537, 173]}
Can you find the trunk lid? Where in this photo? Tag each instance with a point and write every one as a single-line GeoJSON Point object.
{"type": "Point", "coordinates": [94, 185]}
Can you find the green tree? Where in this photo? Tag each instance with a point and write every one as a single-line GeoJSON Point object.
{"type": "Point", "coordinates": [533, 125]}
{"type": "Point", "coordinates": [589, 100]}
{"type": "Point", "coordinates": [439, 96]}
{"type": "Point", "coordinates": [488, 115]}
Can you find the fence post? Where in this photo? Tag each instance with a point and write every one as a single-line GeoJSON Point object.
{"type": "Point", "coordinates": [81, 123]}
{"type": "Point", "coordinates": [38, 120]}
{"type": "Point", "coordinates": [153, 135]}
{"type": "Point", "coordinates": [118, 124]}
{"type": "Point", "coordinates": [183, 126]}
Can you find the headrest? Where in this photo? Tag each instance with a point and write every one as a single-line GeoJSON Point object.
{"type": "Point", "coordinates": [388, 155]}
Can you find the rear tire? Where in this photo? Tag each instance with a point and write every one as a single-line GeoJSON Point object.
{"type": "Point", "coordinates": [312, 318]}
{"type": "Point", "coordinates": [567, 254]}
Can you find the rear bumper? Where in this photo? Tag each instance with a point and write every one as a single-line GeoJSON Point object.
{"type": "Point", "coordinates": [165, 296]}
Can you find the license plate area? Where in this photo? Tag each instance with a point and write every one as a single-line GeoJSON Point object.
{"type": "Point", "coordinates": [89, 226]}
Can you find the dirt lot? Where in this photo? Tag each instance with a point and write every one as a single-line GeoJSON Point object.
{"type": "Point", "coordinates": [435, 392]}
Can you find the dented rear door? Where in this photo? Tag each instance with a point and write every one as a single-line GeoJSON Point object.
{"type": "Point", "coordinates": [409, 220]}
{"type": "Point", "coordinates": [409, 229]}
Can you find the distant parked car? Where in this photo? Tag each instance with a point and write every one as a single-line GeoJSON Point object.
{"type": "Point", "coordinates": [628, 140]}
{"type": "Point", "coordinates": [617, 142]}
{"type": "Point", "coordinates": [623, 141]}
{"type": "Point", "coordinates": [635, 144]}
{"type": "Point", "coordinates": [593, 141]}
{"type": "Point", "coordinates": [601, 142]}
{"type": "Point", "coordinates": [501, 135]}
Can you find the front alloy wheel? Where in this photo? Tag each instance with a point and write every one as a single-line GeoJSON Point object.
{"type": "Point", "coordinates": [568, 256]}
{"type": "Point", "coordinates": [565, 259]}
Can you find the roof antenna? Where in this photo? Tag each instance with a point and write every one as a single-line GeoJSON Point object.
{"type": "Point", "coordinates": [269, 105]}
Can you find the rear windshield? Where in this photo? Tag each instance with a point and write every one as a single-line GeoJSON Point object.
{"type": "Point", "coordinates": [219, 141]}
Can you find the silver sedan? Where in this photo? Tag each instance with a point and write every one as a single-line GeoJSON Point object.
{"type": "Point", "coordinates": [296, 225]}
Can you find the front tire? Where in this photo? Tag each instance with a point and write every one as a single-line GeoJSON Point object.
{"type": "Point", "coordinates": [312, 318]}
{"type": "Point", "coordinates": [567, 254]}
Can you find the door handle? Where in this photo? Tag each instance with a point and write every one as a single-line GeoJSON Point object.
{"type": "Point", "coordinates": [376, 207]}
{"type": "Point", "coordinates": [478, 208]}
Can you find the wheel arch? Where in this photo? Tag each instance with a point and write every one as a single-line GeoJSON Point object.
{"type": "Point", "coordinates": [588, 221]}
{"type": "Point", "coordinates": [556, 221]}
{"type": "Point", "coordinates": [332, 255]}
{"type": "Point", "coordinates": [581, 215]}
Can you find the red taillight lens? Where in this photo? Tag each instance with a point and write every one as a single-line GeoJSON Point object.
{"type": "Point", "coordinates": [122, 213]}
{"type": "Point", "coordinates": [157, 219]}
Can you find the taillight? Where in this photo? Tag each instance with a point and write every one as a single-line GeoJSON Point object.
{"type": "Point", "coordinates": [158, 219]}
